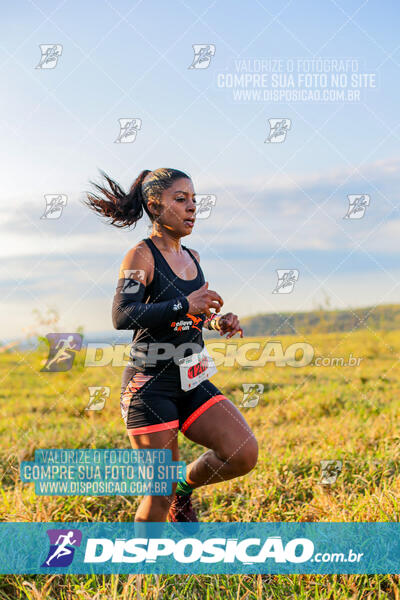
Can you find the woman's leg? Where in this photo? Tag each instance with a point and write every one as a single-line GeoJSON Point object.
{"type": "Point", "coordinates": [233, 447]}
{"type": "Point", "coordinates": [155, 508]}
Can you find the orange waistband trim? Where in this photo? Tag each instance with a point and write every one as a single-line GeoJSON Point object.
{"type": "Point", "coordinates": [154, 428]}
{"type": "Point", "coordinates": [199, 411]}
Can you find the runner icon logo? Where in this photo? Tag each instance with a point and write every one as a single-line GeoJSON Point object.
{"type": "Point", "coordinates": [286, 280]}
{"type": "Point", "coordinates": [62, 547]}
{"type": "Point", "coordinates": [357, 206]}
{"type": "Point", "coordinates": [202, 55]}
{"type": "Point", "coordinates": [128, 130]}
{"type": "Point", "coordinates": [278, 129]}
{"type": "Point", "coordinates": [50, 55]}
{"type": "Point", "coordinates": [62, 348]}
{"type": "Point", "coordinates": [251, 394]}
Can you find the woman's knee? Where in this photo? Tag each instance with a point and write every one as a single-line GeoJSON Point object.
{"type": "Point", "coordinates": [244, 457]}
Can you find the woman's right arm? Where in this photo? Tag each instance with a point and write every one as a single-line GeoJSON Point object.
{"type": "Point", "coordinates": [128, 310]}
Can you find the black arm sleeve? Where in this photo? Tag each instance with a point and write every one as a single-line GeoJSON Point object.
{"type": "Point", "coordinates": [129, 312]}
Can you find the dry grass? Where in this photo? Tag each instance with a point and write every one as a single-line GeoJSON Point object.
{"type": "Point", "coordinates": [306, 415]}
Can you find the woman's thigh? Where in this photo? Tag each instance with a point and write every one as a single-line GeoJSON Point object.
{"type": "Point", "coordinates": [159, 440]}
{"type": "Point", "coordinates": [167, 439]}
{"type": "Point", "coordinates": [223, 429]}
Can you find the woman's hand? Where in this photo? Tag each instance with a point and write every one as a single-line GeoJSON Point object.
{"type": "Point", "coordinates": [201, 300]}
{"type": "Point", "coordinates": [229, 323]}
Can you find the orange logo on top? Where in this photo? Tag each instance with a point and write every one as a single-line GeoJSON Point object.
{"type": "Point", "coordinates": [184, 325]}
{"type": "Point", "coordinates": [194, 319]}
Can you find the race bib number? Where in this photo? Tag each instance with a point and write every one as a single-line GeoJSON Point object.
{"type": "Point", "coordinates": [195, 369]}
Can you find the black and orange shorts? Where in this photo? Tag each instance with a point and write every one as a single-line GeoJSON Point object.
{"type": "Point", "coordinates": [154, 402]}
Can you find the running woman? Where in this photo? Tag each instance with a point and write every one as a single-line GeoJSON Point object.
{"type": "Point", "coordinates": [163, 297]}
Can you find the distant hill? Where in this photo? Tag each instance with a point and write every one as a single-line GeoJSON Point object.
{"type": "Point", "coordinates": [384, 317]}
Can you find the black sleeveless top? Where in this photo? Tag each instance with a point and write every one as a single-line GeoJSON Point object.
{"type": "Point", "coordinates": [166, 285]}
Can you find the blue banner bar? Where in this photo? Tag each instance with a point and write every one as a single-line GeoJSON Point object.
{"type": "Point", "coordinates": [201, 548]}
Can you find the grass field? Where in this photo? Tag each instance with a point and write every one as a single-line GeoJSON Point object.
{"type": "Point", "coordinates": [305, 415]}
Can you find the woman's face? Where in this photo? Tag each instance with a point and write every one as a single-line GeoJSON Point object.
{"type": "Point", "coordinates": [178, 207]}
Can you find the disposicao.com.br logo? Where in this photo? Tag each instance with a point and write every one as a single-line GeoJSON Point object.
{"type": "Point", "coordinates": [212, 550]}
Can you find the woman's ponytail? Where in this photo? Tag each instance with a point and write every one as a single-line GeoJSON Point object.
{"type": "Point", "coordinates": [126, 209]}
{"type": "Point", "coordinates": [122, 209]}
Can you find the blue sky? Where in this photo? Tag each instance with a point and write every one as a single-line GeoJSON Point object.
{"type": "Point", "coordinates": [278, 205]}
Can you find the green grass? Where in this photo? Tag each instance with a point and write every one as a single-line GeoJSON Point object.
{"type": "Point", "coordinates": [305, 415]}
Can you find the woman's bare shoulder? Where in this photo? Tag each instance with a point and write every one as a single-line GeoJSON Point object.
{"type": "Point", "coordinates": [138, 258]}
